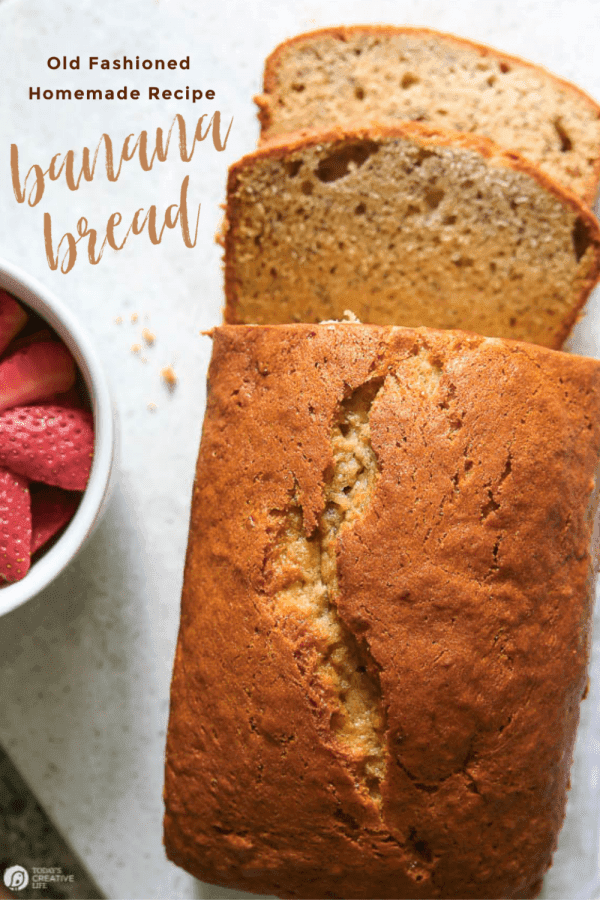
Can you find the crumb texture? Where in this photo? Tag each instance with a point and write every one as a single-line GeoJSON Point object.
{"type": "Point", "coordinates": [302, 572]}
{"type": "Point", "coordinates": [385, 613]}
{"type": "Point", "coordinates": [341, 76]}
{"type": "Point", "coordinates": [407, 227]}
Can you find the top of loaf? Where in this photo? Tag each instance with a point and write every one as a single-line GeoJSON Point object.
{"type": "Point", "coordinates": [372, 72]}
{"type": "Point", "coordinates": [385, 613]}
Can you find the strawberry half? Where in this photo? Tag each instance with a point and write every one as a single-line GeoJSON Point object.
{"type": "Point", "coordinates": [48, 443]}
{"type": "Point", "coordinates": [15, 526]}
{"type": "Point", "coordinates": [69, 398]}
{"type": "Point", "coordinates": [51, 509]}
{"type": "Point", "coordinates": [35, 372]}
{"type": "Point", "coordinates": [12, 319]}
{"type": "Point", "coordinates": [37, 337]}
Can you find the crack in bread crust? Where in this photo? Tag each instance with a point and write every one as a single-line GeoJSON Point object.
{"type": "Point", "coordinates": [302, 578]}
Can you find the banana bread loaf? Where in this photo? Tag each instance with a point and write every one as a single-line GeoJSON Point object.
{"type": "Point", "coordinates": [406, 225]}
{"type": "Point", "coordinates": [337, 76]}
{"type": "Point", "coordinates": [385, 613]}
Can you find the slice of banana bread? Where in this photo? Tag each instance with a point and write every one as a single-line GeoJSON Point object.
{"type": "Point", "coordinates": [385, 613]}
{"type": "Point", "coordinates": [406, 225]}
{"type": "Point", "coordinates": [363, 73]}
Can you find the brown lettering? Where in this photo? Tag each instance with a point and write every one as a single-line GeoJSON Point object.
{"type": "Point", "coordinates": [65, 255]}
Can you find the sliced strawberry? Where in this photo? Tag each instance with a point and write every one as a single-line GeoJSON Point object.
{"type": "Point", "coordinates": [35, 372]}
{"type": "Point", "coordinates": [36, 337]}
{"type": "Point", "coordinates": [15, 526]}
{"type": "Point", "coordinates": [72, 397]}
{"type": "Point", "coordinates": [12, 319]}
{"type": "Point", "coordinates": [48, 443]}
{"type": "Point", "coordinates": [51, 509]}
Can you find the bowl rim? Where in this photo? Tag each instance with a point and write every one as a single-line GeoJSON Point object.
{"type": "Point", "coordinates": [43, 302]}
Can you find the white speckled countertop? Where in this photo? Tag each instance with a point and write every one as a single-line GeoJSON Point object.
{"type": "Point", "coordinates": [85, 667]}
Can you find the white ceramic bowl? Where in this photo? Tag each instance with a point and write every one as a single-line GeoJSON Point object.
{"type": "Point", "coordinates": [35, 296]}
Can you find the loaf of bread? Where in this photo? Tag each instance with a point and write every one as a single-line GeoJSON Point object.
{"type": "Point", "coordinates": [337, 76]}
{"type": "Point", "coordinates": [385, 613]}
{"type": "Point", "coordinates": [406, 225]}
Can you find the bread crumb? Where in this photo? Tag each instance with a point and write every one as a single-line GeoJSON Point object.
{"type": "Point", "coordinates": [152, 406]}
{"type": "Point", "coordinates": [143, 359]}
{"type": "Point", "coordinates": [169, 377]}
{"type": "Point", "coordinates": [348, 316]}
{"type": "Point", "coordinates": [148, 337]}
{"type": "Point", "coordinates": [135, 348]}
{"type": "Point", "coordinates": [119, 320]}
{"type": "Point", "coordinates": [134, 317]}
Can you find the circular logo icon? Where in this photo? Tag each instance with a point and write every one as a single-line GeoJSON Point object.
{"type": "Point", "coordinates": [16, 878]}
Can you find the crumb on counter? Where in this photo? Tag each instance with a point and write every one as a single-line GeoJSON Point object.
{"type": "Point", "coordinates": [135, 348]}
{"type": "Point", "coordinates": [119, 320]}
{"type": "Point", "coordinates": [152, 406]}
{"type": "Point", "coordinates": [169, 377]}
{"type": "Point", "coordinates": [148, 337]}
{"type": "Point", "coordinates": [134, 317]}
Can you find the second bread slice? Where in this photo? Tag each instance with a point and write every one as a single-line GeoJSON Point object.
{"type": "Point", "coordinates": [406, 225]}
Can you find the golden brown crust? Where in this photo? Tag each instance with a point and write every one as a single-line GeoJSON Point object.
{"type": "Point", "coordinates": [463, 577]}
{"type": "Point", "coordinates": [424, 135]}
{"type": "Point", "coordinates": [344, 33]}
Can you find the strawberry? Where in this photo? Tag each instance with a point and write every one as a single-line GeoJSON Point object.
{"type": "Point", "coordinates": [15, 526]}
{"type": "Point", "coordinates": [12, 319]}
{"type": "Point", "coordinates": [34, 337]}
{"type": "Point", "coordinates": [69, 398]}
{"type": "Point", "coordinates": [34, 372]}
{"type": "Point", "coordinates": [48, 443]}
{"type": "Point", "coordinates": [51, 509]}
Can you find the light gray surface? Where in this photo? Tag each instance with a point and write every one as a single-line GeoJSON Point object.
{"type": "Point", "coordinates": [84, 668]}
